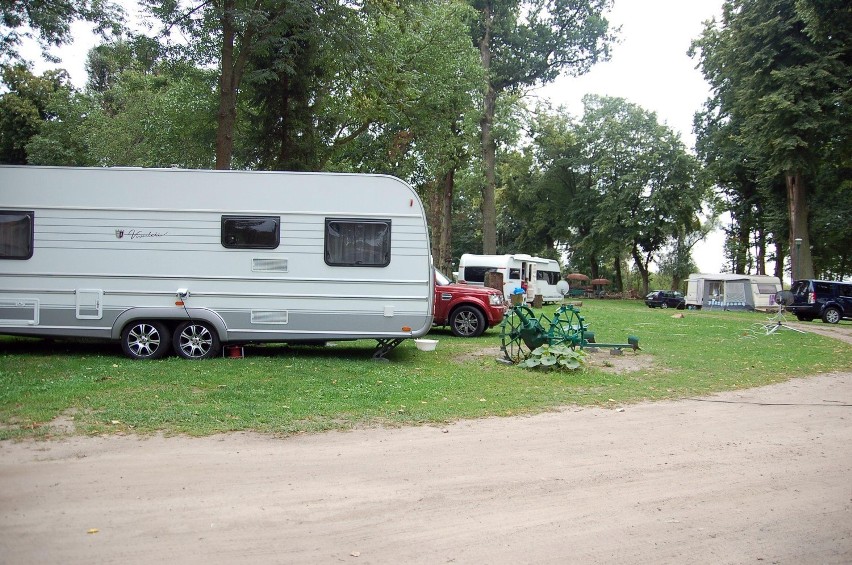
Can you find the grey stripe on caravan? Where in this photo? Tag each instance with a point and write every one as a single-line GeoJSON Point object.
{"type": "Point", "coordinates": [268, 295]}
{"type": "Point", "coordinates": [149, 277]}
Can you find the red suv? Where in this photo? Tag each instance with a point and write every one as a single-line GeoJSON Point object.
{"type": "Point", "coordinates": [468, 310]}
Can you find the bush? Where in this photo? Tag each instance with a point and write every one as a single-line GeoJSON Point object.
{"type": "Point", "coordinates": [558, 356]}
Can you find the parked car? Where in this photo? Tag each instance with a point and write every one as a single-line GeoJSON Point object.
{"type": "Point", "coordinates": [665, 299]}
{"type": "Point", "coordinates": [829, 300]}
{"type": "Point", "coordinates": [468, 310]}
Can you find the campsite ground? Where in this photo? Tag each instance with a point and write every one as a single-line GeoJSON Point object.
{"type": "Point", "coordinates": [748, 476]}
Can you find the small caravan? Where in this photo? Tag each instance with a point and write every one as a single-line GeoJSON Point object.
{"type": "Point", "coordinates": [189, 260]}
{"type": "Point", "coordinates": [535, 275]}
{"type": "Point", "coordinates": [731, 291]}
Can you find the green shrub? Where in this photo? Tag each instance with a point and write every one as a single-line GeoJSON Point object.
{"type": "Point", "coordinates": [548, 357]}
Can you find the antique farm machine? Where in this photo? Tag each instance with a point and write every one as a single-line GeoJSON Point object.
{"type": "Point", "coordinates": [521, 332]}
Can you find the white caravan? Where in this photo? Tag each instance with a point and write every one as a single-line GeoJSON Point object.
{"type": "Point", "coordinates": [188, 260]}
{"type": "Point", "coordinates": [730, 291]}
{"type": "Point", "coordinates": [535, 275]}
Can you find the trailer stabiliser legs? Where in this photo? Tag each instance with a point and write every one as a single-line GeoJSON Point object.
{"type": "Point", "coordinates": [385, 346]}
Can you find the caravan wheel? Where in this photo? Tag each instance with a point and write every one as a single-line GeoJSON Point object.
{"type": "Point", "coordinates": [196, 340]}
{"type": "Point", "coordinates": [145, 340]}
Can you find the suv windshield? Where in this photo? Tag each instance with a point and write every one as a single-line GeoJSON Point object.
{"type": "Point", "coordinates": [441, 279]}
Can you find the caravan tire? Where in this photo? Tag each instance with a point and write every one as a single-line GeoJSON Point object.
{"type": "Point", "coordinates": [145, 340]}
{"type": "Point", "coordinates": [196, 340]}
{"type": "Point", "coordinates": [467, 321]}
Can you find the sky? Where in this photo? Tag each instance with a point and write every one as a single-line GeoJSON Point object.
{"type": "Point", "coordinates": [648, 67]}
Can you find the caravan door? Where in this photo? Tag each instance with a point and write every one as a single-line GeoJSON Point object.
{"type": "Point", "coordinates": [530, 279]}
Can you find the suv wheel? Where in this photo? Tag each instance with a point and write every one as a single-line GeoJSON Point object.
{"type": "Point", "coordinates": [831, 315]}
{"type": "Point", "coordinates": [664, 305]}
{"type": "Point", "coordinates": [467, 321]}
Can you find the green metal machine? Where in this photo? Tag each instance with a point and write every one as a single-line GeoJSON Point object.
{"type": "Point", "coordinates": [521, 332]}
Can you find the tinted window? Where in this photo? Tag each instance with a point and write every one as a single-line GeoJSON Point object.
{"type": "Point", "coordinates": [357, 243]}
{"type": "Point", "coordinates": [823, 289]}
{"type": "Point", "coordinates": [845, 290]}
{"type": "Point", "coordinates": [766, 288]}
{"type": "Point", "coordinates": [801, 288]}
{"type": "Point", "coordinates": [514, 274]}
{"type": "Point", "coordinates": [552, 277]}
{"type": "Point", "coordinates": [475, 274]}
{"type": "Point", "coordinates": [16, 235]}
{"type": "Point", "coordinates": [250, 232]}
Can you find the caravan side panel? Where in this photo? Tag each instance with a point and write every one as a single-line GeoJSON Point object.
{"type": "Point", "coordinates": [275, 256]}
{"type": "Point", "coordinates": [764, 288]}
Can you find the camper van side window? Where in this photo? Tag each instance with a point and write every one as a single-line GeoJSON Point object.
{"type": "Point", "coordinates": [250, 232]}
{"type": "Point", "coordinates": [16, 235]}
{"type": "Point", "coordinates": [357, 243]}
{"type": "Point", "coordinates": [476, 274]}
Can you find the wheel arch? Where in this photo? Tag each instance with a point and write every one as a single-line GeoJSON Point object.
{"type": "Point", "coordinates": [171, 317]}
{"type": "Point", "coordinates": [471, 304]}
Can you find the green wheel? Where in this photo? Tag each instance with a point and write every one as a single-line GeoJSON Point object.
{"type": "Point", "coordinates": [513, 347]}
{"type": "Point", "coordinates": [568, 328]}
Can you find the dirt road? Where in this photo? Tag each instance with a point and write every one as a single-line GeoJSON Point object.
{"type": "Point", "coordinates": [756, 476]}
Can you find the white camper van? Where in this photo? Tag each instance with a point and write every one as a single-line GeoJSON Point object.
{"type": "Point", "coordinates": [731, 291]}
{"type": "Point", "coordinates": [188, 260]}
{"type": "Point", "coordinates": [535, 275]}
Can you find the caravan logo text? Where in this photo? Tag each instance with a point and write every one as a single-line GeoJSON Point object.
{"type": "Point", "coordinates": [136, 234]}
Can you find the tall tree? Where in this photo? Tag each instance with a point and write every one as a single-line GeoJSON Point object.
{"type": "Point", "coordinates": [228, 34]}
{"type": "Point", "coordinates": [24, 107]}
{"type": "Point", "coordinates": [649, 185]}
{"type": "Point", "coordinates": [523, 43]}
{"type": "Point", "coordinates": [781, 70]}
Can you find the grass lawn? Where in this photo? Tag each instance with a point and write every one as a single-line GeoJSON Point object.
{"type": "Point", "coordinates": [287, 390]}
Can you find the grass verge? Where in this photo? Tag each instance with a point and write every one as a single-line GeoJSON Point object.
{"type": "Point", "coordinates": [287, 390]}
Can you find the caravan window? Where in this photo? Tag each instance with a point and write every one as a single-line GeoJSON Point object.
{"type": "Point", "coordinates": [250, 232]}
{"type": "Point", "coordinates": [16, 235]}
{"type": "Point", "coordinates": [714, 288]}
{"type": "Point", "coordinates": [552, 277]}
{"type": "Point", "coordinates": [515, 274]}
{"type": "Point", "coordinates": [764, 288]}
{"type": "Point", "coordinates": [357, 243]}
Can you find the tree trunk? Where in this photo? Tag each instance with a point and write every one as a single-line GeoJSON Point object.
{"type": "Point", "coordinates": [445, 250]}
{"type": "Point", "coordinates": [227, 115]}
{"type": "Point", "coordinates": [619, 281]}
{"type": "Point", "coordinates": [489, 147]}
{"type": "Point", "coordinates": [780, 255]}
{"type": "Point", "coordinates": [285, 150]}
{"type": "Point", "coordinates": [233, 64]}
{"type": "Point", "coordinates": [594, 268]}
{"type": "Point", "coordinates": [802, 266]}
{"type": "Point", "coordinates": [643, 270]}
{"type": "Point", "coordinates": [433, 218]}
{"type": "Point", "coordinates": [760, 257]}
{"type": "Point", "coordinates": [743, 245]}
